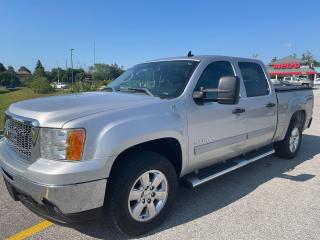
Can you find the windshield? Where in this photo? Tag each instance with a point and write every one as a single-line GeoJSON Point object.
{"type": "Point", "coordinates": [165, 79]}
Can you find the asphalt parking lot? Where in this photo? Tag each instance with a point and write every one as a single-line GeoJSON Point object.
{"type": "Point", "coordinates": [269, 199]}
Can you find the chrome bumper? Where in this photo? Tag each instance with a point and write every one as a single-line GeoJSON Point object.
{"type": "Point", "coordinates": [69, 199]}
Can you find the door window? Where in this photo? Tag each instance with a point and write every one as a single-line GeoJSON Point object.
{"type": "Point", "coordinates": [254, 79]}
{"type": "Point", "coordinates": [211, 75]}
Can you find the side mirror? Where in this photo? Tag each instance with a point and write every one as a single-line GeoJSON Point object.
{"type": "Point", "coordinates": [227, 91]}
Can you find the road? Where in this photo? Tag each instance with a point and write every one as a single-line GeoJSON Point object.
{"type": "Point", "coordinates": [269, 199]}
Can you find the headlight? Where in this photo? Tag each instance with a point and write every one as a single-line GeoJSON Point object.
{"type": "Point", "coordinates": [62, 144]}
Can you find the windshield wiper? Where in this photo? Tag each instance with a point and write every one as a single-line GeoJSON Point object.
{"type": "Point", "coordinates": [143, 90]}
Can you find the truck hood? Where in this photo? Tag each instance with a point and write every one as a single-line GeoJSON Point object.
{"type": "Point", "coordinates": [57, 110]}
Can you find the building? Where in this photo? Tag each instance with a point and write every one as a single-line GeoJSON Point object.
{"type": "Point", "coordinates": [291, 67]}
{"type": "Point", "coordinates": [22, 75]}
{"type": "Point", "coordinates": [317, 69]}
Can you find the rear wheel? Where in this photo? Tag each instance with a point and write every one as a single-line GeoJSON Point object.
{"type": "Point", "coordinates": [290, 145]}
{"type": "Point", "coordinates": [141, 192]}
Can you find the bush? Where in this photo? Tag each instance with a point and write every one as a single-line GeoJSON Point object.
{"type": "Point", "coordinates": [41, 85]}
{"type": "Point", "coordinates": [27, 81]}
{"type": "Point", "coordinates": [86, 86]}
{"type": "Point", "coordinates": [9, 79]}
{"type": "Point", "coordinates": [3, 90]}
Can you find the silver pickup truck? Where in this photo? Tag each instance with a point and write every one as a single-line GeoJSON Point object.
{"type": "Point", "coordinates": [120, 153]}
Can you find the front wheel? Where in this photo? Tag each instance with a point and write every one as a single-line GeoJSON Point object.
{"type": "Point", "coordinates": [290, 145]}
{"type": "Point", "coordinates": [142, 192]}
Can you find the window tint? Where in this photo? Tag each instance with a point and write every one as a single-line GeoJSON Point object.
{"type": "Point", "coordinates": [254, 79]}
{"type": "Point", "coordinates": [211, 75]}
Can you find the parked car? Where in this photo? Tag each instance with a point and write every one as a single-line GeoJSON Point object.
{"type": "Point", "coordinates": [121, 154]}
{"type": "Point", "coordinates": [297, 81]}
{"type": "Point", "coordinates": [59, 85]}
{"type": "Point", "coordinates": [316, 81]}
{"type": "Point", "coordinates": [278, 82]}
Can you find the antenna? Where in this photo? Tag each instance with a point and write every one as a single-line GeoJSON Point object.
{"type": "Point", "coordinates": [190, 54]}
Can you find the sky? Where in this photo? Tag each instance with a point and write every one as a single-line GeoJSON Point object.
{"type": "Point", "coordinates": [129, 32]}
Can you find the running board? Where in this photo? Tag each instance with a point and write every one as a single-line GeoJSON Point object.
{"type": "Point", "coordinates": [220, 169]}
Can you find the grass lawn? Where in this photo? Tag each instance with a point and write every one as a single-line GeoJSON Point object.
{"type": "Point", "coordinates": [25, 93]}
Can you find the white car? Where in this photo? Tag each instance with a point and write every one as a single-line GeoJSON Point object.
{"type": "Point", "coordinates": [60, 85]}
{"type": "Point", "coordinates": [297, 81]}
{"type": "Point", "coordinates": [316, 81]}
{"type": "Point", "coordinates": [277, 81]}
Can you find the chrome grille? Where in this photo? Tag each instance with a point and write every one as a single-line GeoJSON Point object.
{"type": "Point", "coordinates": [19, 137]}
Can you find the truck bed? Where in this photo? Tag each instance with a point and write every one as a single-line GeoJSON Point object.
{"type": "Point", "coordinates": [289, 88]}
{"type": "Point", "coordinates": [292, 98]}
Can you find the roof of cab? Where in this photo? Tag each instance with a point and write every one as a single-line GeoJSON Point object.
{"type": "Point", "coordinates": [198, 58]}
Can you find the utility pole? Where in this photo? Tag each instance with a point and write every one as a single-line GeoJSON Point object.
{"type": "Point", "coordinates": [94, 53]}
{"type": "Point", "coordinates": [71, 49]}
{"type": "Point", "coordinates": [67, 79]}
{"type": "Point", "coordinates": [58, 74]}
{"type": "Point", "coordinates": [58, 67]}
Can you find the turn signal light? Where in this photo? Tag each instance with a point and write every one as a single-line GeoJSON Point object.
{"type": "Point", "coordinates": [75, 144]}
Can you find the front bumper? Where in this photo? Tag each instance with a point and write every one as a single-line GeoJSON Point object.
{"type": "Point", "coordinates": [61, 190]}
{"type": "Point", "coordinates": [65, 203]}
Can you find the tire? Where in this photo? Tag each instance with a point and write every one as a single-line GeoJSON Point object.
{"type": "Point", "coordinates": [290, 145]}
{"type": "Point", "coordinates": [126, 180]}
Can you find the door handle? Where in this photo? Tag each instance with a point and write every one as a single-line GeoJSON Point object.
{"type": "Point", "coordinates": [270, 105]}
{"type": "Point", "coordinates": [238, 110]}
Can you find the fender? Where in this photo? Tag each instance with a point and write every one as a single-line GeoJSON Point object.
{"type": "Point", "coordinates": [114, 132]}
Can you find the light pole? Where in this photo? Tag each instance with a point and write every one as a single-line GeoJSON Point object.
{"type": "Point", "coordinates": [71, 49]}
{"type": "Point", "coordinates": [94, 53]}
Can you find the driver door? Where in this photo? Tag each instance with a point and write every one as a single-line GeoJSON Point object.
{"type": "Point", "coordinates": [216, 131]}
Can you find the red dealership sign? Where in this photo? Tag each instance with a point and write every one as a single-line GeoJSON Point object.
{"type": "Point", "coordinates": [286, 65]}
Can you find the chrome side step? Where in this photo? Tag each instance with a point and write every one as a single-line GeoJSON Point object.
{"type": "Point", "coordinates": [218, 170]}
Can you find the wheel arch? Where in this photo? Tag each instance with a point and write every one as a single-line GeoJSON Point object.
{"type": "Point", "coordinates": [283, 125]}
{"type": "Point", "coordinates": [168, 147]}
{"type": "Point", "coordinates": [299, 116]}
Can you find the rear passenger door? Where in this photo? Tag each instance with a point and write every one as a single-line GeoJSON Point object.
{"type": "Point", "coordinates": [261, 105]}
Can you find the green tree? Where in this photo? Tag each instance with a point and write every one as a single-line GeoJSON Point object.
{"type": "Point", "coordinates": [41, 85]}
{"type": "Point", "coordinates": [308, 57]}
{"type": "Point", "coordinates": [27, 81]}
{"type": "Point", "coordinates": [55, 74]}
{"type": "Point", "coordinates": [101, 72]}
{"type": "Point", "coordinates": [11, 69]}
{"type": "Point", "coordinates": [2, 68]}
{"type": "Point", "coordinates": [23, 68]}
{"type": "Point", "coordinates": [115, 71]}
{"type": "Point", "coordinates": [39, 70]}
{"type": "Point", "coordinates": [9, 79]}
{"type": "Point", "coordinates": [316, 63]}
{"type": "Point", "coordinates": [79, 76]}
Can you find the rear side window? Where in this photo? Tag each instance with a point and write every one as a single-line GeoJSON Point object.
{"type": "Point", "coordinates": [211, 75]}
{"type": "Point", "coordinates": [254, 79]}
